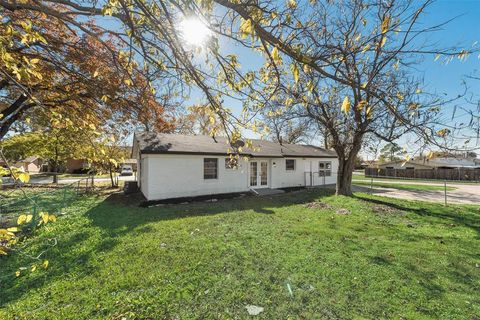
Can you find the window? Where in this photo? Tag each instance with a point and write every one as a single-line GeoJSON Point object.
{"type": "Point", "coordinates": [210, 168]}
{"type": "Point", "coordinates": [389, 168]}
{"type": "Point", "coordinates": [290, 164]}
{"type": "Point", "coordinates": [231, 163]}
{"type": "Point", "coordinates": [324, 168]}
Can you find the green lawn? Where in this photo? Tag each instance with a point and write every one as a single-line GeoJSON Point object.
{"type": "Point", "coordinates": [402, 186]}
{"type": "Point", "coordinates": [341, 258]}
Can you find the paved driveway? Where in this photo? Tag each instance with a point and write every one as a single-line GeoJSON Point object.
{"type": "Point", "coordinates": [463, 194]}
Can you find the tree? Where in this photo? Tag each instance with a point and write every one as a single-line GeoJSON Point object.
{"type": "Point", "coordinates": [349, 64]}
{"type": "Point", "coordinates": [46, 64]}
{"type": "Point", "coordinates": [391, 152]}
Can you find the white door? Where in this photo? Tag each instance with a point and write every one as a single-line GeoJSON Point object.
{"type": "Point", "coordinates": [259, 174]}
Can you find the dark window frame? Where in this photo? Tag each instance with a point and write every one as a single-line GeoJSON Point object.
{"type": "Point", "coordinates": [210, 176]}
{"type": "Point", "coordinates": [287, 168]}
{"type": "Point", "coordinates": [326, 171]}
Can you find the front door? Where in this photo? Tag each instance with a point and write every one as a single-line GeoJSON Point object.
{"type": "Point", "coordinates": [259, 174]}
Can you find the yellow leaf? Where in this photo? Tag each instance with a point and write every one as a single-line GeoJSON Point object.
{"type": "Point", "coordinates": [385, 24]}
{"type": "Point", "coordinates": [246, 28]}
{"type": "Point", "coordinates": [275, 56]}
{"type": "Point", "coordinates": [44, 217]}
{"type": "Point", "coordinates": [52, 218]}
{"type": "Point", "coordinates": [45, 264]}
{"type": "Point", "coordinates": [418, 90]}
{"type": "Point", "coordinates": [292, 4]}
{"type": "Point", "coordinates": [23, 177]}
{"type": "Point", "coordinates": [437, 56]}
{"type": "Point", "coordinates": [29, 218]}
{"type": "Point", "coordinates": [95, 74]}
{"type": "Point", "coordinates": [17, 273]}
{"type": "Point", "coordinates": [12, 229]}
{"type": "Point", "coordinates": [310, 86]}
{"type": "Point", "coordinates": [295, 72]}
{"type": "Point", "coordinates": [21, 219]}
{"type": "Point", "coordinates": [2, 252]}
{"type": "Point", "coordinates": [128, 82]}
{"type": "Point", "coordinates": [365, 49]}
{"type": "Point", "coordinates": [346, 105]}
{"type": "Point", "coordinates": [430, 154]}
{"type": "Point", "coordinates": [34, 267]}
{"type": "Point", "coordinates": [384, 40]}
{"type": "Point", "coordinates": [368, 112]}
{"type": "Point", "coordinates": [362, 104]}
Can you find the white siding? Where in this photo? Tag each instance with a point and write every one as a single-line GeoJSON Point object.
{"type": "Point", "coordinates": [176, 176]}
{"type": "Point", "coordinates": [164, 176]}
{"type": "Point", "coordinates": [142, 174]}
{"type": "Point", "coordinates": [282, 178]}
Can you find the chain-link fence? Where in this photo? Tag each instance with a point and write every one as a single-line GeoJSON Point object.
{"type": "Point", "coordinates": [32, 200]}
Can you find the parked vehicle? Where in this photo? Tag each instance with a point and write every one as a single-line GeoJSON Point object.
{"type": "Point", "coordinates": [126, 170]}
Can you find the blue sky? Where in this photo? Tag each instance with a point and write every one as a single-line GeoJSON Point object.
{"type": "Point", "coordinates": [444, 79]}
{"type": "Point", "coordinates": [439, 77]}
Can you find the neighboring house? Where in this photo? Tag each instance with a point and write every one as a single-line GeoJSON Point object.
{"type": "Point", "coordinates": [401, 164]}
{"type": "Point", "coordinates": [444, 163]}
{"type": "Point", "coordinates": [31, 164]}
{"type": "Point", "coordinates": [176, 166]}
{"type": "Point", "coordinates": [75, 165]}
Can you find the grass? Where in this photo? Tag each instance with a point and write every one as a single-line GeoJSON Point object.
{"type": "Point", "coordinates": [357, 257]}
{"type": "Point", "coordinates": [403, 186]}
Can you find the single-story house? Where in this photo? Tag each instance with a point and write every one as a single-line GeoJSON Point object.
{"type": "Point", "coordinates": [442, 163]}
{"type": "Point", "coordinates": [177, 166]}
{"type": "Point", "coordinates": [402, 164]}
{"type": "Point", "coordinates": [31, 164]}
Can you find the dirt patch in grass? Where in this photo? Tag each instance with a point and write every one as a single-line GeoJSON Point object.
{"type": "Point", "coordinates": [382, 209]}
{"type": "Point", "coordinates": [343, 211]}
{"type": "Point", "coordinates": [317, 205]}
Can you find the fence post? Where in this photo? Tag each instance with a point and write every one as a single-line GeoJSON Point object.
{"type": "Point", "coordinates": [445, 189]}
{"type": "Point", "coordinates": [371, 186]}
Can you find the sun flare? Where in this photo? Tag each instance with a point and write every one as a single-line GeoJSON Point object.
{"type": "Point", "coordinates": [194, 31]}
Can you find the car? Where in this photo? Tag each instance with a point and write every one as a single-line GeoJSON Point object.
{"type": "Point", "coordinates": [126, 171]}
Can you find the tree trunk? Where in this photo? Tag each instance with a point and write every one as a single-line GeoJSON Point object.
{"type": "Point", "coordinates": [344, 177]}
{"type": "Point", "coordinates": [111, 176]}
{"type": "Point", "coordinates": [55, 171]}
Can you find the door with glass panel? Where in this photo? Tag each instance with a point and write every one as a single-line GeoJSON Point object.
{"type": "Point", "coordinates": [258, 174]}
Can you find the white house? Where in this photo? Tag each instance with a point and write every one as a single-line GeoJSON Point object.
{"type": "Point", "coordinates": [177, 166]}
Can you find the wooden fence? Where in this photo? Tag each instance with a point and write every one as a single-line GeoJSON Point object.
{"type": "Point", "coordinates": [463, 174]}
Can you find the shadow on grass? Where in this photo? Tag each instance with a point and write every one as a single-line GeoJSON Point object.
{"type": "Point", "coordinates": [78, 251]}
{"type": "Point", "coordinates": [73, 253]}
{"type": "Point", "coordinates": [119, 220]}
{"type": "Point", "coordinates": [466, 216]}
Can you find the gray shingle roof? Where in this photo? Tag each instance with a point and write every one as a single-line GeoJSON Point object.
{"type": "Point", "coordinates": [149, 142]}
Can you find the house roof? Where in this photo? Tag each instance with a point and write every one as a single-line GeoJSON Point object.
{"type": "Point", "coordinates": [155, 143]}
{"type": "Point", "coordinates": [29, 159]}
{"type": "Point", "coordinates": [429, 164]}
